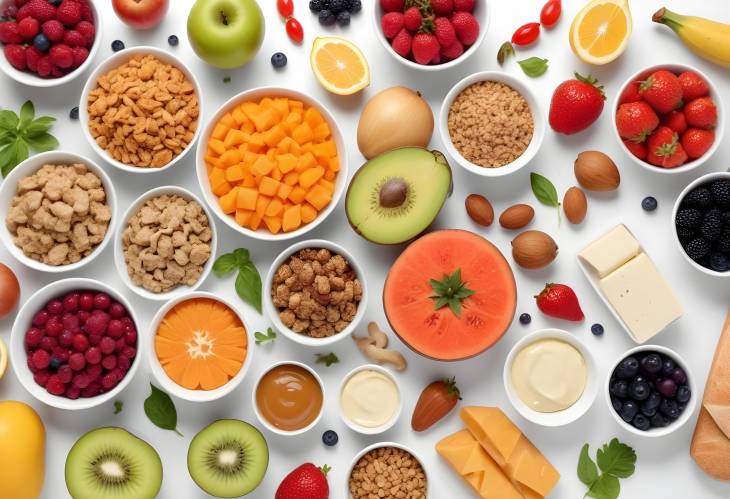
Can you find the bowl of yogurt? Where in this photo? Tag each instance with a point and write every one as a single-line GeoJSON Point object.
{"type": "Point", "coordinates": [550, 377]}
{"type": "Point", "coordinates": [371, 400]}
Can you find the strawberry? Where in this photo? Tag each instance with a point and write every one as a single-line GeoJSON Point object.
{"type": "Point", "coordinates": [466, 27]}
{"type": "Point", "coordinates": [635, 121]}
{"type": "Point", "coordinates": [88, 31]}
{"type": "Point", "coordinates": [696, 142]}
{"type": "Point", "coordinates": [61, 56]}
{"type": "Point", "coordinates": [444, 31]}
{"type": "Point", "coordinates": [9, 32]}
{"type": "Point", "coordinates": [73, 38]}
{"type": "Point", "coordinates": [630, 93]}
{"type": "Point", "coordinates": [676, 121]}
{"type": "Point", "coordinates": [391, 23]}
{"type": "Point", "coordinates": [693, 86]}
{"type": "Point", "coordinates": [69, 12]}
{"type": "Point", "coordinates": [15, 54]}
{"type": "Point", "coordinates": [442, 7]}
{"type": "Point", "coordinates": [436, 59]}
{"type": "Point", "coordinates": [425, 47]}
{"type": "Point", "coordinates": [53, 30]}
{"type": "Point", "coordinates": [412, 19]}
{"type": "Point", "coordinates": [638, 149]}
{"type": "Point", "coordinates": [701, 113]}
{"type": "Point", "coordinates": [434, 403]}
{"type": "Point", "coordinates": [28, 28]}
{"type": "Point", "coordinates": [20, 3]}
{"type": "Point", "coordinates": [402, 43]}
{"type": "Point", "coordinates": [392, 5]}
{"type": "Point", "coordinates": [464, 5]}
{"type": "Point", "coordinates": [86, 13]}
{"type": "Point", "coordinates": [576, 104]}
{"type": "Point", "coordinates": [305, 482]}
{"type": "Point", "coordinates": [41, 10]}
{"type": "Point", "coordinates": [559, 301]}
{"type": "Point", "coordinates": [452, 51]}
{"type": "Point", "coordinates": [664, 149]}
{"type": "Point", "coordinates": [23, 12]}
{"type": "Point", "coordinates": [662, 91]}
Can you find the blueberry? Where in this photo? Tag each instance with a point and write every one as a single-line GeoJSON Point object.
{"type": "Point", "coordinates": [619, 388]}
{"type": "Point", "coordinates": [659, 420]}
{"type": "Point", "coordinates": [667, 367]}
{"type": "Point", "coordinates": [641, 422]}
{"type": "Point", "coordinates": [649, 203]}
{"type": "Point", "coordinates": [55, 363]}
{"type": "Point", "coordinates": [173, 40]}
{"type": "Point", "coordinates": [669, 408]}
{"type": "Point", "coordinates": [719, 262]}
{"type": "Point", "coordinates": [278, 60]}
{"type": "Point", "coordinates": [679, 376]}
{"type": "Point", "coordinates": [326, 17]}
{"type": "Point", "coordinates": [41, 42]}
{"type": "Point", "coordinates": [55, 3]}
{"type": "Point", "coordinates": [117, 45]}
{"type": "Point", "coordinates": [651, 364]}
{"type": "Point", "coordinates": [330, 438]}
{"type": "Point", "coordinates": [343, 18]}
{"type": "Point", "coordinates": [653, 401]}
{"type": "Point", "coordinates": [617, 404]}
{"type": "Point", "coordinates": [597, 329]}
{"type": "Point", "coordinates": [629, 410]}
{"type": "Point", "coordinates": [667, 387]}
{"type": "Point", "coordinates": [525, 319]}
{"type": "Point", "coordinates": [639, 389]}
{"type": "Point", "coordinates": [627, 368]}
{"type": "Point", "coordinates": [683, 394]}
{"type": "Point", "coordinates": [74, 113]}
{"type": "Point", "coordinates": [648, 411]}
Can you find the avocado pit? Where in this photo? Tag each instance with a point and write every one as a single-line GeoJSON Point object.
{"type": "Point", "coordinates": [393, 193]}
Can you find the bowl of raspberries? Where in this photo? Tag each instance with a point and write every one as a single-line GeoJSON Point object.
{"type": "Point", "coordinates": [669, 118]}
{"type": "Point", "coordinates": [430, 34]}
{"type": "Point", "coordinates": [47, 43]}
{"type": "Point", "coordinates": [79, 341]}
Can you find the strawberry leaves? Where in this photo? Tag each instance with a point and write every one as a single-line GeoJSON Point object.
{"type": "Point", "coordinates": [450, 291]}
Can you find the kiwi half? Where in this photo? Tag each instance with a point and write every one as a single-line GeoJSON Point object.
{"type": "Point", "coordinates": [228, 458]}
{"type": "Point", "coordinates": [111, 463]}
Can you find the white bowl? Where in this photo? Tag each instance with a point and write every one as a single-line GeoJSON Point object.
{"type": "Point", "coordinates": [265, 422]}
{"type": "Point", "coordinates": [481, 13]}
{"type": "Point", "coordinates": [572, 413]}
{"type": "Point", "coordinates": [378, 446]}
{"type": "Point", "coordinates": [33, 80]}
{"type": "Point", "coordinates": [537, 117]}
{"type": "Point", "coordinates": [29, 167]}
{"type": "Point", "coordinates": [273, 312]}
{"type": "Point", "coordinates": [719, 130]}
{"type": "Point", "coordinates": [171, 386]}
{"type": "Point", "coordinates": [254, 95]}
{"type": "Point", "coordinates": [119, 249]}
{"type": "Point", "coordinates": [688, 410]}
{"type": "Point", "coordinates": [364, 429]}
{"type": "Point", "coordinates": [113, 62]}
{"type": "Point", "coordinates": [23, 321]}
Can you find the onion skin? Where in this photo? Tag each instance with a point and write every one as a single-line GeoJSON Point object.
{"type": "Point", "coordinates": [396, 117]}
{"type": "Point", "coordinates": [9, 290]}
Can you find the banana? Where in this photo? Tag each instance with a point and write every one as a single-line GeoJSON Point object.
{"type": "Point", "coordinates": [706, 38]}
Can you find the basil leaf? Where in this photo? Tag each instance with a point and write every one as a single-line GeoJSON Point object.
{"type": "Point", "coordinates": [160, 410]}
{"type": "Point", "coordinates": [248, 285]}
{"type": "Point", "coordinates": [8, 120]}
{"type": "Point", "coordinates": [42, 142]}
{"type": "Point", "coordinates": [242, 256]}
{"type": "Point", "coordinates": [587, 470]}
{"type": "Point", "coordinates": [606, 487]}
{"type": "Point", "coordinates": [533, 66]}
{"type": "Point", "coordinates": [27, 113]}
{"type": "Point", "coordinates": [224, 265]}
{"type": "Point", "coordinates": [42, 124]}
{"type": "Point", "coordinates": [505, 51]}
{"type": "Point", "coordinates": [12, 155]}
{"type": "Point", "coordinates": [544, 190]}
{"type": "Point", "coordinates": [617, 459]}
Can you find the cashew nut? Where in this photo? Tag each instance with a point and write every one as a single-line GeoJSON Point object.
{"type": "Point", "coordinates": [374, 347]}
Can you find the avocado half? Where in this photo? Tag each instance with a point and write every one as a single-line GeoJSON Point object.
{"type": "Point", "coordinates": [397, 195]}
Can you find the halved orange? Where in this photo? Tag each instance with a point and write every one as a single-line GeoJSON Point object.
{"type": "Point", "coordinates": [339, 65]}
{"type": "Point", "coordinates": [601, 30]}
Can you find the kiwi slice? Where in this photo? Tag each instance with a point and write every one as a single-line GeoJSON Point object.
{"type": "Point", "coordinates": [228, 458]}
{"type": "Point", "coordinates": [111, 463]}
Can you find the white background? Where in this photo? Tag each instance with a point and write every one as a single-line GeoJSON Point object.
{"type": "Point", "coordinates": [664, 467]}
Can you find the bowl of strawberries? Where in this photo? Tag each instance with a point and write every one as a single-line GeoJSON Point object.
{"type": "Point", "coordinates": [430, 35]}
{"type": "Point", "coordinates": [669, 118]}
{"type": "Point", "coordinates": [47, 43]}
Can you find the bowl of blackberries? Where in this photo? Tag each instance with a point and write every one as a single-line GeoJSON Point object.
{"type": "Point", "coordinates": [650, 391]}
{"type": "Point", "coordinates": [702, 223]}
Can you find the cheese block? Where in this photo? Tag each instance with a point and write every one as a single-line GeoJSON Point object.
{"type": "Point", "coordinates": [473, 464]}
{"type": "Point", "coordinates": [523, 464]}
{"type": "Point", "coordinates": [641, 297]}
{"type": "Point", "coordinates": [610, 251]}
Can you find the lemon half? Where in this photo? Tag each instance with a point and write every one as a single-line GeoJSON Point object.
{"type": "Point", "coordinates": [601, 31]}
{"type": "Point", "coordinates": [339, 65]}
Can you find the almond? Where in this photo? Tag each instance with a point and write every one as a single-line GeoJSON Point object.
{"type": "Point", "coordinates": [575, 205]}
{"type": "Point", "coordinates": [479, 209]}
{"type": "Point", "coordinates": [534, 249]}
{"type": "Point", "coordinates": [516, 216]}
{"type": "Point", "coordinates": [595, 171]}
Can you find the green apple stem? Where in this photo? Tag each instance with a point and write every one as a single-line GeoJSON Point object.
{"type": "Point", "coordinates": [224, 18]}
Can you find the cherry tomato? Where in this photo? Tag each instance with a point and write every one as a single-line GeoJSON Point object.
{"type": "Point", "coordinates": [526, 34]}
{"type": "Point", "coordinates": [285, 8]}
{"type": "Point", "coordinates": [294, 30]}
{"type": "Point", "coordinates": [550, 13]}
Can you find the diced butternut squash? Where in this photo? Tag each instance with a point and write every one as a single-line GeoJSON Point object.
{"type": "Point", "coordinates": [262, 166]}
{"type": "Point", "coordinates": [246, 199]}
{"type": "Point", "coordinates": [292, 218]}
{"type": "Point", "coordinates": [309, 213]}
{"type": "Point", "coordinates": [312, 117]}
{"type": "Point", "coordinates": [276, 174]}
{"type": "Point", "coordinates": [228, 120]}
{"type": "Point", "coordinates": [262, 202]}
{"type": "Point", "coordinates": [242, 217]}
{"type": "Point", "coordinates": [268, 186]}
{"type": "Point", "coordinates": [330, 175]}
{"type": "Point", "coordinates": [217, 146]}
{"type": "Point", "coordinates": [275, 135]}
{"type": "Point", "coordinates": [321, 132]}
{"type": "Point", "coordinates": [273, 224]}
{"type": "Point", "coordinates": [222, 189]}
{"type": "Point", "coordinates": [310, 177]}
{"type": "Point", "coordinates": [235, 173]}
{"type": "Point", "coordinates": [297, 195]}
{"type": "Point", "coordinates": [318, 196]}
{"type": "Point", "coordinates": [291, 178]}
{"type": "Point", "coordinates": [302, 134]}
{"type": "Point", "coordinates": [219, 131]}
{"type": "Point", "coordinates": [228, 201]}
{"type": "Point", "coordinates": [305, 161]}
{"type": "Point", "coordinates": [284, 190]}
{"type": "Point", "coordinates": [274, 208]}
{"type": "Point", "coordinates": [234, 137]}
{"type": "Point", "coordinates": [229, 158]}
{"type": "Point", "coordinates": [327, 185]}
{"type": "Point", "coordinates": [255, 221]}
{"type": "Point", "coordinates": [239, 117]}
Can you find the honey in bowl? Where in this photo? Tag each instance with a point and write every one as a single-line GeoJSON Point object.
{"type": "Point", "coordinates": [289, 397]}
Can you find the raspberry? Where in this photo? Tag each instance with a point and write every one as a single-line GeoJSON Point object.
{"type": "Point", "coordinates": [55, 386]}
{"type": "Point", "coordinates": [95, 339]}
{"type": "Point", "coordinates": [9, 32]}
{"type": "Point", "coordinates": [70, 322]}
{"type": "Point", "coordinates": [73, 38]}
{"type": "Point", "coordinates": [15, 54]}
{"type": "Point", "coordinates": [54, 307]}
{"type": "Point", "coordinates": [54, 326]}
{"type": "Point", "coordinates": [92, 390]}
{"type": "Point", "coordinates": [23, 12]}
{"type": "Point", "coordinates": [124, 363]}
{"type": "Point", "coordinates": [77, 361]}
{"type": "Point", "coordinates": [40, 318]}
{"type": "Point", "coordinates": [102, 301]}
{"type": "Point", "coordinates": [93, 355]}
{"type": "Point", "coordinates": [44, 66]}
{"type": "Point", "coordinates": [107, 345]}
{"type": "Point", "coordinates": [97, 323]}
{"type": "Point", "coordinates": [65, 339]}
{"type": "Point", "coordinates": [425, 47]}
{"type": "Point", "coordinates": [69, 13]}
{"type": "Point", "coordinates": [62, 56]}
{"type": "Point", "coordinates": [41, 10]}
{"type": "Point", "coordinates": [86, 13]}
{"type": "Point", "coordinates": [80, 343]}
{"type": "Point", "coordinates": [93, 371]}
{"type": "Point", "coordinates": [32, 56]}
{"type": "Point", "coordinates": [88, 31]}
{"type": "Point", "coordinates": [86, 301]}
{"type": "Point", "coordinates": [48, 343]}
{"type": "Point", "coordinates": [41, 377]}
{"type": "Point", "coordinates": [28, 28]}
{"type": "Point", "coordinates": [60, 354]}
{"type": "Point", "coordinates": [20, 3]}
{"type": "Point", "coordinates": [442, 7]}
{"type": "Point", "coordinates": [129, 352]}
{"type": "Point", "coordinates": [130, 336]}
{"type": "Point", "coordinates": [109, 381]}
{"type": "Point", "coordinates": [41, 359]}
{"type": "Point", "coordinates": [109, 362]}
{"type": "Point", "coordinates": [65, 373]}
{"type": "Point", "coordinates": [53, 30]}
{"type": "Point", "coordinates": [115, 329]}
{"type": "Point", "coordinates": [33, 337]}
{"type": "Point", "coordinates": [83, 316]}
{"type": "Point", "coordinates": [117, 311]}
{"type": "Point", "coordinates": [80, 56]}
{"type": "Point", "coordinates": [119, 345]}
{"type": "Point", "coordinates": [73, 392]}
{"type": "Point", "coordinates": [81, 381]}
{"type": "Point", "coordinates": [71, 300]}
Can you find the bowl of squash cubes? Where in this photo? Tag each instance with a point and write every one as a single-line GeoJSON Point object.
{"type": "Point", "coordinates": [272, 163]}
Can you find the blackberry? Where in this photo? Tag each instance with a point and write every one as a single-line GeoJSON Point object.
{"type": "Point", "coordinates": [688, 218]}
{"type": "Point", "coordinates": [719, 262]}
{"type": "Point", "coordinates": [712, 225]}
{"type": "Point", "coordinates": [697, 248]}
{"type": "Point", "coordinates": [343, 18]}
{"type": "Point", "coordinates": [720, 190]}
{"type": "Point", "coordinates": [726, 217]}
{"type": "Point", "coordinates": [326, 17]}
{"type": "Point", "coordinates": [723, 244]}
{"type": "Point", "coordinates": [355, 6]}
{"type": "Point", "coordinates": [698, 198]}
{"type": "Point", "coordinates": [685, 234]}
{"type": "Point", "coordinates": [117, 45]}
{"type": "Point", "coordinates": [316, 5]}
{"type": "Point", "coordinates": [649, 203]}
{"type": "Point", "coordinates": [337, 6]}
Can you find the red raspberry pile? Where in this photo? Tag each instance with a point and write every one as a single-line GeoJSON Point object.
{"type": "Point", "coordinates": [50, 38]}
{"type": "Point", "coordinates": [81, 345]}
{"type": "Point", "coordinates": [429, 31]}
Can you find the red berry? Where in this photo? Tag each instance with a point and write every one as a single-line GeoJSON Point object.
{"type": "Point", "coordinates": [392, 5]}
{"type": "Point", "coordinates": [92, 390]}
{"type": "Point", "coordinates": [285, 7]}
{"type": "Point", "coordinates": [83, 316]}
{"type": "Point", "coordinates": [65, 373]}
{"type": "Point", "coordinates": [71, 302]}
{"type": "Point", "coordinates": [130, 336]}
{"type": "Point", "coordinates": [638, 149]}
{"type": "Point", "coordinates": [412, 19]}
{"type": "Point", "coordinates": [86, 13]}
{"type": "Point", "coordinates": [40, 318]}
{"type": "Point", "coordinates": [442, 7]}
{"type": "Point", "coordinates": [69, 12]}
{"type": "Point", "coordinates": [15, 54]}
{"type": "Point", "coordinates": [42, 10]}
{"type": "Point", "coordinates": [9, 32]}
{"type": "Point", "coordinates": [526, 34]}
{"type": "Point", "coordinates": [464, 5]}
{"type": "Point", "coordinates": [28, 28]}
{"type": "Point", "coordinates": [452, 51]}
{"type": "Point", "coordinates": [676, 121]}
{"type": "Point", "coordinates": [109, 381]}
{"type": "Point", "coordinates": [109, 362]}
{"type": "Point", "coordinates": [77, 361]}
{"type": "Point", "coordinates": [55, 386]}
{"type": "Point", "coordinates": [73, 38]}
{"type": "Point", "coordinates": [81, 380]}
{"type": "Point", "coordinates": [576, 104]}
{"type": "Point", "coordinates": [70, 322]}
{"type": "Point", "coordinates": [696, 142]}
{"type": "Point", "coordinates": [115, 329]}
{"type": "Point", "coordinates": [33, 337]}
{"type": "Point", "coordinates": [65, 339]}
{"type": "Point", "coordinates": [86, 300]}
{"type": "Point", "coordinates": [72, 392]}
{"type": "Point", "coordinates": [664, 149]}
{"type": "Point", "coordinates": [41, 377]}
{"type": "Point", "coordinates": [129, 352]}
{"type": "Point", "coordinates": [107, 345]}
{"type": "Point", "coordinates": [32, 56]}
{"type": "Point", "coordinates": [391, 24]}
{"type": "Point", "coordinates": [55, 307]}
{"type": "Point", "coordinates": [93, 355]}
{"type": "Point", "coordinates": [402, 43]}
{"type": "Point", "coordinates": [559, 301]}
{"type": "Point", "coordinates": [22, 13]}
{"type": "Point", "coordinates": [662, 91]}
{"type": "Point", "coordinates": [102, 301]}
{"type": "Point", "coordinates": [550, 13]}
{"type": "Point", "coordinates": [117, 311]}
{"type": "Point", "coordinates": [61, 56]}
{"type": "Point", "coordinates": [95, 339]}
{"type": "Point", "coordinates": [48, 343]}
{"type": "Point", "coordinates": [80, 343]}
{"type": "Point", "coordinates": [94, 371]}
{"type": "Point", "coordinates": [635, 121]}
{"type": "Point", "coordinates": [693, 86]}
{"type": "Point", "coordinates": [97, 323]}
{"type": "Point", "coordinates": [630, 93]}
{"type": "Point", "coordinates": [466, 27]}
{"type": "Point", "coordinates": [60, 354]}
{"type": "Point", "coordinates": [41, 359]}
{"type": "Point", "coordinates": [44, 66]}
{"type": "Point", "coordinates": [444, 32]}
{"type": "Point", "coordinates": [10, 11]}
{"type": "Point", "coordinates": [54, 327]}
{"type": "Point", "coordinates": [294, 30]}
{"type": "Point", "coordinates": [119, 345]}
{"type": "Point", "coordinates": [425, 47]}
{"type": "Point", "coordinates": [88, 31]}
{"type": "Point", "coordinates": [701, 113]}
{"type": "Point", "coordinates": [124, 363]}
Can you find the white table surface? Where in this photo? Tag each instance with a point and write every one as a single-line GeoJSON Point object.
{"type": "Point", "coordinates": [664, 469]}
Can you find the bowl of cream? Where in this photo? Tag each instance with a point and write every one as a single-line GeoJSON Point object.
{"type": "Point", "coordinates": [550, 377]}
{"type": "Point", "coordinates": [370, 399]}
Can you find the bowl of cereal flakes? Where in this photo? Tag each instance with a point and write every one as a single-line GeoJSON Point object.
{"type": "Point", "coordinates": [60, 208]}
{"type": "Point", "coordinates": [140, 110]}
{"type": "Point", "coordinates": [406, 475]}
{"type": "Point", "coordinates": [315, 293]}
{"type": "Point", "coordinates": [491, 123]}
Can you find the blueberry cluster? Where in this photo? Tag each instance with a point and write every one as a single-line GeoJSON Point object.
{"type": "Point", "coordinates": [335, 11]}
{"type": "Point", "coordinates": [648, 390]}
{"type": "Point", "coordinates": [703, 225]}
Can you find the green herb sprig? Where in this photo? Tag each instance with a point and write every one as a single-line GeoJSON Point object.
{"type": "Point", "coordinates": [21, 133]}
{"type": "Point", "coordinates": [328, 359]}
{"type": "Point", "coordinates": [533, 66]}
{"type": "Point", "coordinates": [615, 460]}
{"type": "Point", "coordinates": [450, 291]}
{"type": "Point", "coordinates": [268, 336]}
{"type": "Point", "coordinates": [118, 406]}
{"type": "Point", "coordinates": [160, 409]}
{"type": "Point", "coordinates": [248, 280]}
{"type": "Point", "coordinates": [544, 191]}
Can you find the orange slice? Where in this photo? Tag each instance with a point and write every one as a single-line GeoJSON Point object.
{"type": "Point", "coordinates": [339, 65]}
{"type": "Point", "coordinates": [601, 31]}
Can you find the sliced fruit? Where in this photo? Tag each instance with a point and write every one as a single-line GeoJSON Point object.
{"type": "Point", "coordinates": [339, 65]}
{"type": "Point", "coordinates": [3, 358]}
{"type": "Point", "coordinates": [201, 344]}
{"type": "Point", "coordinates": [228, 458]}
{"type": "Point", "coordinates": [601, 30]}
{"type": "Point", "coordinates": [111, 463]}
{"type": "Point", "coordinates": [439, 332]}
{"type": "Point", "coordinates": [398, 194]}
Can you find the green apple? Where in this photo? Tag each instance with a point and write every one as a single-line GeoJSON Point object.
{"type": "Point", "coordinates": [226, 33]}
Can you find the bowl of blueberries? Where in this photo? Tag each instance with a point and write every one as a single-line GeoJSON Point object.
{"type": "Point", "coordinates": [650, 391]}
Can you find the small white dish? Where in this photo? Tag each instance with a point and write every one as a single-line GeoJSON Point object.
{"type": "Point", "coordinates": [572, 413]}
{"type": "Point", "coordinates": [719, 130]}
{"type": "Point", "coordinates": [538, 119]}
{"type": "Point", "coordinates": [121, 264]}
{"type": "Point", "coordinates": [29, 167]}
{"type": "Point", "coordinates": [378, 446]}
{"type": "Point", "coordinates": [688, 410]}
{"type": "Point", "coordinates": [23, 321]}
{"type": "Point", "coordinates": [273, 312]}
{"type": "Point", "coordinates": [171, 386]}
{"type": "Point", "coordinates": [363, 429]}
{"type": "Point", "coordinates": [266, 422]}
{"type": "Point", "coordinates": [113, 62]}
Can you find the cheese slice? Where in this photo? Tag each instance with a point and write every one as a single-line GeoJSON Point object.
{"type": "Point", "coordinates": [610, 251]}
{"type": "Point", "coordinates": [641, 297]}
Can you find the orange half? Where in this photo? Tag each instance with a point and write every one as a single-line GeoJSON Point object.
{"type": "Point", "coordinates": [339, 65]}
{"type": "Point", "coordinates": [601, 31]}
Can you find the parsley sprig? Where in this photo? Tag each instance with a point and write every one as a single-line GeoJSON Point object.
{"type": "Point", "coordinates": [261, 338]}
{"type": "Point", "coordinates": [21, 133]}
{"type": "Point", "coordinates": [450, 291]}
{"type": "Point", "coordinates": [328, 359]}
{"type": "Point", "coordinates": [615, 460]}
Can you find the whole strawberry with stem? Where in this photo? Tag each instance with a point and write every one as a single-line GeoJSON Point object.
{"type": "Point", "coordinates": [425, 47]}
{"type": "Point", "coordinates": [662, 91]}
{"type": "Point", "coordinates": [693, 86]}
{"type": "Point", "coordinates": [305, 482]}
{"type": "Point", "coordinates": [576, 104]}
{"type": "Point", "coordinates": [664, 149]}
{"type": "Point", "coordinates": [559, 301]}
{"type": "Point", "coordinates": [701, 113]}
{"type": "Point", "coordinates": [635, 121]}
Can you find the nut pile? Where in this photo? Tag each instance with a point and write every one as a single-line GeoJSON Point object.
{"type": "Point", "coordinates": [316, 292]}
{"type": "Point", "coordinates": [59, 214]}
{"type": "Point", "coordinates": [388, 472]}
{"type": "Point", "coordinates": [167, 243]}
{"type": "Point", "coordinates": [490, 124]}
{"type": "Point", "coordinates": [143, 113]}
